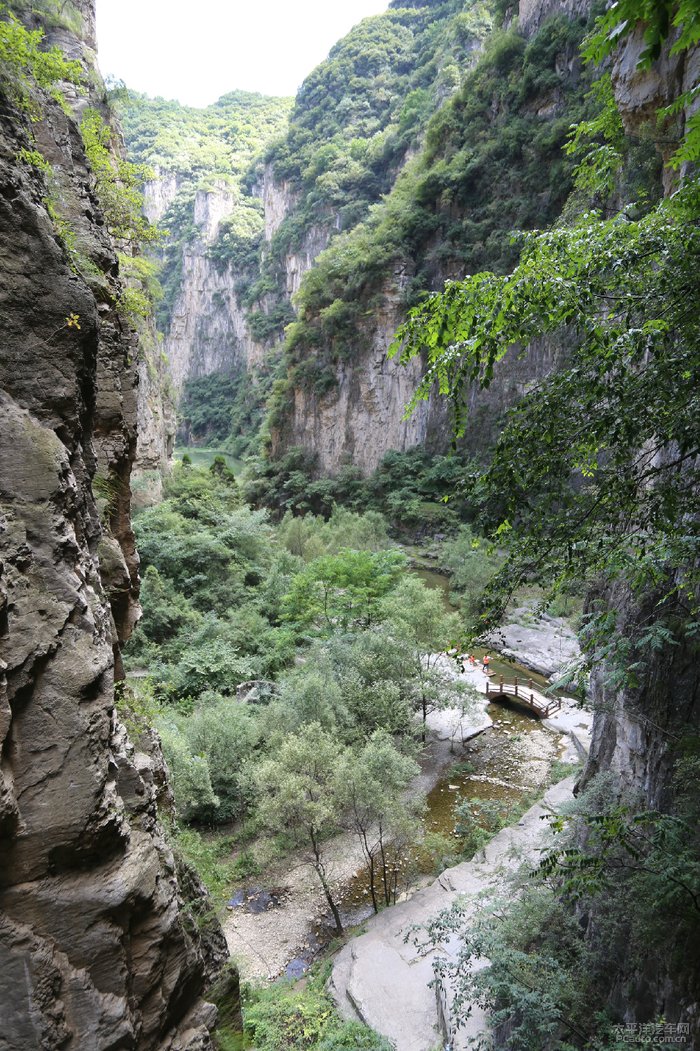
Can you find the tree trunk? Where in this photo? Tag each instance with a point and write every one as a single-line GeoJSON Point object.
{"type": "Point", "coordinates": [321, 873]}
{"type": "Point", "coordinates": [369, 855]}
{"type": "Point", "coordinates": [385, 873]}
{"type": "Point", "coordinates": [372, 889]}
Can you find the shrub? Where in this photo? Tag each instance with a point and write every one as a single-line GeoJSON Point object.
{"type": "Point", "coordinates": [303, 1020]}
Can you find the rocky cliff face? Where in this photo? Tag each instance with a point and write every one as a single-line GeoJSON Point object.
{"type": "Point", "coordinates": [358, 414]}
{"type": "Point", "coordinates": [156, 423]}
{"type": "Point", "coordinates": [636, 727]}
{"type": "Point", "coordinates": [363, 417]}
{"type": "Point", "coordinates": [641, 93]}
{"type": "Point", "coordinates": [208, 329]}
{"type": "Point", "coordinates": [279, 201]}
{"type": "Point", "coordinates": [532, 13]}
{"type": "Point", "coordinates": [94, 949]}
{"type": "Point", "coordinates": [639, 729]}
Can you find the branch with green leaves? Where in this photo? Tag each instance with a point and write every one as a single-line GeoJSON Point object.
{"type": "Point", "coordinates": [596, 469]}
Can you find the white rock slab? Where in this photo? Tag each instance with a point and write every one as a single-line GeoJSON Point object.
{"type": "Point", "coordinates": [383, 978]}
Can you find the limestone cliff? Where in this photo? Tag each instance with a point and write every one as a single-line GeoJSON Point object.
{"type": "Point", "coordinates": [95, 951]}
{"type": "Point", "coordinates": [212, 224]}
{"type": "Point", "coordinates": [345, 399]}
{"type": "Point", "coordinates": [363, 417]}
{"type": "Point", "coordinates": [280, 201]}
{"type": "Point", "coordinates": [208, 331]}
{"type": "Point", "coordinates": [641, 729]}
{"type": "Point", "coordinates": [156, 423]}
{"type": "Point", "coordinates": [636, 727]}
{"type": "Point", "coordinates": [358, 118]}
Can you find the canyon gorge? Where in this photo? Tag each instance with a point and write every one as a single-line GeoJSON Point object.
{"type": "Point", "coordinates": [231, 280]}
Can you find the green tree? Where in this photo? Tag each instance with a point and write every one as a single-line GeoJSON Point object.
{"type": "Point", "coordinates": [472, 563]}
{"type": "Point", "coordinates": [372, 785]}
{"type": "Point", "coordinates": [309, 694]}
{"type": "Point", "coordinates": [296, 792]}
{"type": "Point", "coordinates": [167, 611]}
{"type": "Point", "coordinates": [352, 685]}
{"type": "Point", "coordinates": [194, 796]}
{"type": "Point", "coordinates": [309, 536]}
{"type": "Point", "coordinates": [224, 732]}
{"type": "Point", "coordinates": [596, 470]}
{"type": "Point", "coordinates": [223, 472]}
{"type": "Point", "coordinates": [119, 183]}
{"type": "Point", "coordinates": [25, 64]}
{"type": "Point", "coordinates": [342, 591]}
{"type": "Point", "coordinates": [212, 661]}
{"type": "Point", "coordinates": [620, 422]}
{"type": "Point", "coordinates": [418, 619]}
{"type": "Point", "coordinates": [377, 683]}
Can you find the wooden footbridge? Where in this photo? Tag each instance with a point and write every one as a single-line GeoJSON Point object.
{"type": "Point", "coordinates": [523, 692]}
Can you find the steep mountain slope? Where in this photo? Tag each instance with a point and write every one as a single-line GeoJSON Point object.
{"type": "Point", "coordinates": [428, 135]}
{"type": "Point", "coordinates": [355, 121]}
{"type": "Point", "coordinates": [596, 486]}
{"type": "Point", "coordinates": [200, 161]}
{"type": "Point", "coordinates": [491, 163]}
{"type": "Point", "coordinates": [95, 947]}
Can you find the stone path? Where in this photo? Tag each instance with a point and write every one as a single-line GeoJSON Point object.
{"type": "Point", "coordinates": [383, 980]}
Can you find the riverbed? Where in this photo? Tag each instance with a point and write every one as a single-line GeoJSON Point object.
{"type": "Point", "coordinates": [279, 923]}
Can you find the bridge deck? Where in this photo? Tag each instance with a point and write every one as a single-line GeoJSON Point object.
{"type": "Point", "coordinates": [523, 692]}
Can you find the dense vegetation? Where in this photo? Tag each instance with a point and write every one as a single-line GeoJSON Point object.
{"type": "Point", "coordinates": [491, 163]}
{"type": "Point", "coordinates": [358, 114]}
{"type": "Point", "coordinates": [26, 64]}
{"type": "Point", "coordinates": [594, 481]}
{"type": "Point", "coordinates": [409, 489]}
{"type": "Point", "coordinates": [297, 1020]}
{"type": "Point", "coordinates": [268, 646]}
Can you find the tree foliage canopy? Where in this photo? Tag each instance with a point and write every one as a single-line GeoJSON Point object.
{"type": "Point", "coordinates": [596, 470]}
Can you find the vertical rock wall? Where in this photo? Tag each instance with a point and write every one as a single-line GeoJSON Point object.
{"type": "Point", "coordinates": [640, 729]}
{"type": "Point", "coordinates": [635, 727]}
{"type": "Point", "coordinates": [362, 418]}
{"type": "Point", "coordinates": [95, 951]}
{"type": "Point", "coordinates": [208, 331]}
{"type": "Point", "coordinates": [279, 201]}
{"type": "Point", "coordinates": [359, 416]}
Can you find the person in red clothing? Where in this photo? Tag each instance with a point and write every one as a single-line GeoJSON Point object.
{"type": "Point", "coordinates": [486, 662]}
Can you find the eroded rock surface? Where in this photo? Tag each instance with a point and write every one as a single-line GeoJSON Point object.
{"type": "Point", "coordinates": [95, 951]}
{"type": "Point", "coordinates": [546, 644]}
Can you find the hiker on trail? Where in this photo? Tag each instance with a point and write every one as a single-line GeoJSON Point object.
{"type": "Point", "coordinates": [486, 662]}
{"type": "Point", "coordinates": [472, 660]}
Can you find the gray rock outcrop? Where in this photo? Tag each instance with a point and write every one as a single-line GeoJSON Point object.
{"type": "Point", "coordinates": [544, 643]}
{"type": "Point", "coordinates": [208, 330]}
{"type": "Point", "coordinates": [95, 949]}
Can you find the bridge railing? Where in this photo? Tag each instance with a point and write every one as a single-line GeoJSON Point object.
{"type": "Point", "coordinates": [524, 691]}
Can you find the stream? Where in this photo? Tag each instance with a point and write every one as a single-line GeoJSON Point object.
{"type": "Point", "coordinates": [498, 766]}
{"type": "Point", "coordinates": [497, 769]}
